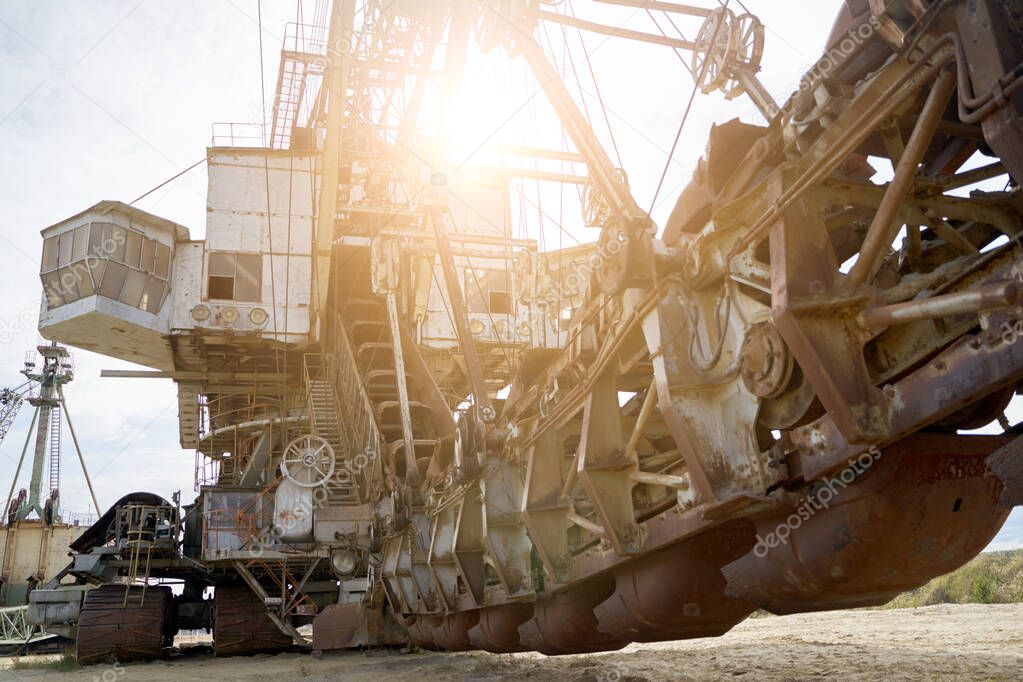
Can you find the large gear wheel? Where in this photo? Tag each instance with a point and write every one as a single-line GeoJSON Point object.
{"type": "Point", "coordinates": [308, 461]}
{"type": "Point", "coordinates": [714, 45]}
{"type": "Point", "coordinates": [726, 46]}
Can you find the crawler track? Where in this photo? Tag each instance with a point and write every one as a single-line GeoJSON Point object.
{"type": "Point", "coordinates": [121, 626]}
{"type": "Point", "coordinates": [241, 626]}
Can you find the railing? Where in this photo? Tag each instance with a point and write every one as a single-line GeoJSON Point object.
{"type": "Point", "coordinates": [354, 401]}
{"type": "Point", "coordinates": [237, 134]}
{"type": "Point", "coordinates": [226, 425]}
{"type": "Point", "coordinates": [226, 411]}
{"type": "Point", "coordinates": [147, 524]}
{"type": "Point", "coordinates": [207, 470]}
{"type": "Point", "coordinates": [306, 38]}
{"type": "Point", "coordinates": [359, 433]}
{"type": "Point", "coordinates": [228, 530]}
{"type": "Point", "coordinates": [320, 367]}
{"type": "Point", "coordinates": [80, 518]}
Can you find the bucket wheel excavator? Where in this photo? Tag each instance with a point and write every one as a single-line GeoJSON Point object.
{"type": "Point", "coordinates": [413, 425]}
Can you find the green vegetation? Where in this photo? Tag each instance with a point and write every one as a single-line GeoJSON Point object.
{"type": "Point", "coordinates": [991, 578]}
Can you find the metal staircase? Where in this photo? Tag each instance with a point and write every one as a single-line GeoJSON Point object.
{"type": "Point", "coordinates": [325, 416]}
{"type": "Point", "coordinates": [366, 322]}
{"type": "Point", "coordinates": [323, 411]}
{"type": "Point", "coordinates": [301, 61]}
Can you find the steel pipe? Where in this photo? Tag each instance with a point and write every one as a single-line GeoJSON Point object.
{"type": "Point", "coordinates": [616, 32]}
{"type": "Point", "coordinates": [987, 297]}
{"type": "Point", "coordinates": [882, 106]}
{"type": "Point", "coordinates": [879, 234]}
{"type": "Point", "coordinates": [584, 522]}
{"type": "Point", "coordinates": [649, 402]}
{"type": "Point", "coordinates": [662, 6]}
{"type": "Point", "coordinates": [677, 482]}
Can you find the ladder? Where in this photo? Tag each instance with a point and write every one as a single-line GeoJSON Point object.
{"type": "Point", "coordinates": [137, 550]}
{"type": "Point", "coordinates": [54, 467]}
{"type": "Point", "coordinates": [140, 541]}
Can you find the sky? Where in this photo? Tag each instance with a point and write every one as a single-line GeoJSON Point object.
{"type": "Point", "coordinates": [108, 99]}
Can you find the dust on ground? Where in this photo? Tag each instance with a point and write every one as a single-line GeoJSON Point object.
{"type": "Point", "coordinates": [937, 642]}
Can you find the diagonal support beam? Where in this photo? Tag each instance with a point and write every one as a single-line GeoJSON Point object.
{"type": "Point", "coordinates": [461, 320]}
{"type": "Point", "coordinates": [284, 626]}
{"type": "Point", "coordinates": [882, 230]}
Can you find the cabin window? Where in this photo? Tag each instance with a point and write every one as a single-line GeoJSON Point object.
{"type": "Point", "coordinates": [488, 291]}
{"type": "Point", "coordinates": [133, 250]}
{"type": "Point", "coordinates": [106, 259]}
{"type": "Point", "coordinates": [234, 276]}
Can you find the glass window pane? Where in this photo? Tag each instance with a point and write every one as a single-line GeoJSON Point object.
{"type": "Point", "coordinates": [501, 303]}
{"type": "Point", "coordinates": [133, 249]}
{"type": "Point", "coordinates": [481, 287]}
{"type": "Point", "coordinates": [221, 287]}
{"type": "Point", "coordinates": [162, 260]}
{"type": "Point", "coordinates": [96, 240]}
{"type": "Point", "coordinates": [221, 265]}
{"type": "Point", "coordinates": [66, 243]}
{"type": "Point", "coordinates": [49, 254]}
{"type": "Point", "coordinates": [114, 239]}
{"type": "Point", "coordinates": [148, 255]}
{"type": "Point", "coordinates": [113, 278]}
{"type": "Point", "coordinates": [248, 277]}
{"type": "Point", "coordinates": [68, 284]}
{"type": "Point", "coordinates": [83, 278]}
{"type": "Point", "coordinates": [81, 243]}
{"type": "Point", "coordinates": [51, 286]}
{"type": "Point", "coordinates": [134, 283]}
{"type": "Point", "coordinates": [152, 297]}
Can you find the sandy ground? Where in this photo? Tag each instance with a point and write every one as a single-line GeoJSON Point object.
{"type": "Point", "coordinates": [938, 642]}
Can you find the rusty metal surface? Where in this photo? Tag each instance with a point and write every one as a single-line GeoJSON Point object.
{"type": "Point", "coordinates": [347, 626]}
{"type": "Point", "coordinates": [914, 510]}
{"type": "Point", "coordinates": [420, 631]}
{"type": "Point", "coordinates": [121, 624]}
{"type": "Point", "coordinates": [673, 401]}
{"type": "Point", "coordinates": [1006, 464]}
{"type": "Point", "coordinates": [679, 592]}
{"type": "Point", "coordinates": [775, 330]}
{"type": "Point", "coordinates": [452, 632]}
{"type": "Point", "coordinates": [965, 373]}
{"type": "Point", "coordinates": [241, 625]}
{"type": "Point", "coordinates": [566, 624]}
{"type": "Point", "coordinates": [498, 628]}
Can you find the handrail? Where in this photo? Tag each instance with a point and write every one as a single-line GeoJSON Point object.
{"type": "Point", "coordinates": [368, 439]}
